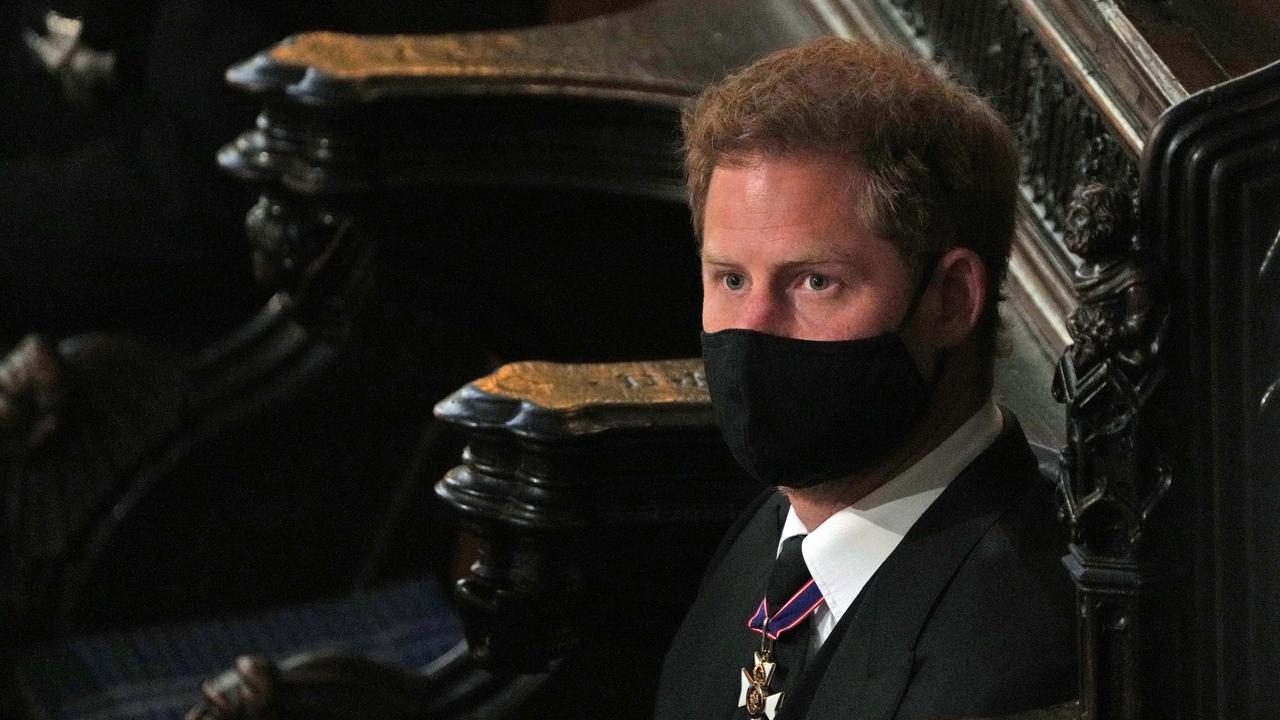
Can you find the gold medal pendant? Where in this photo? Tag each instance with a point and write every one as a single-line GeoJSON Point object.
{"type": "Point", "coordinates": [755, 688]}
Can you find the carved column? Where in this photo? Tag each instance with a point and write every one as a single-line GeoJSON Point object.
{"type": "Point", "coordinates": [1110, 476]}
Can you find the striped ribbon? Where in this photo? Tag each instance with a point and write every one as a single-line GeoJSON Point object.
{"type": "Point", "coordinates": [792, 613]}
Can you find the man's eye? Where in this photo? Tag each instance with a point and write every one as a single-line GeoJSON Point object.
{"type": "Point", "coordinates": [817, 281]}
{"type": "Point", "coordinates": [734, 281]}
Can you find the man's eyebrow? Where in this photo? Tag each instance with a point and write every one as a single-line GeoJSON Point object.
{"type": "Point", "coordinates": [833, 259]}
{"type": "Point", "coordinates": [714, 259]}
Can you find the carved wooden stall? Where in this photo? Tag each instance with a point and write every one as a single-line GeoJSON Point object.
{"type": "Point", "coordinates": [413, 240]}
{"type": "Point", "coordinates": [1152, 322]}
{"type": "Point", "coordinates": [1084, 85]}
{"type": "Point", "coordinates": [410, 245]}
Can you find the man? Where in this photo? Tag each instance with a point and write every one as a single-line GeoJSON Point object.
{"type": "Point", "coordinates": [855, 213]}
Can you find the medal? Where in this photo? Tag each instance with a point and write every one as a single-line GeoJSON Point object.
{"type": "Point", "coordinates": [756, 680]}
{"type": "Point", "coordinates": [755, 688]}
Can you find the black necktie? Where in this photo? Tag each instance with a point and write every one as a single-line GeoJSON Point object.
{"type": "Point", "coordinates": [789, 575]}
{"type": "Point", "coordinates": [782, 621]}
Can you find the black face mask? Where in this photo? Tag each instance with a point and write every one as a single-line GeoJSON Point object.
{"type": "Point", "coordinates": [801, 412]}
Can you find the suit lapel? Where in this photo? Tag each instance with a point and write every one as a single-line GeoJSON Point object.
{"type": "Point", "coordinates": [863, 669]}
{"type": "Point", "coordinates": [701, 675]}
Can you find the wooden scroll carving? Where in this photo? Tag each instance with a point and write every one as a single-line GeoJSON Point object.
{"type": "Point", "coordinates": [992, 46]}
{"type": "Point", "coordinates": [1078, 118]}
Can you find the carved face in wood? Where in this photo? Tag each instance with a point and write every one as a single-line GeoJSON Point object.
{"type": "Point", "coordinates": [1100, 222]}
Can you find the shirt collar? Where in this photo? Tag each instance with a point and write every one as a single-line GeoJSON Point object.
{"type": "Point", "coordinates": [846, 550]}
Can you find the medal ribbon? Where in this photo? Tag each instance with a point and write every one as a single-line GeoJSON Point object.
{"type": "Point", "coordinates": [792, 613]}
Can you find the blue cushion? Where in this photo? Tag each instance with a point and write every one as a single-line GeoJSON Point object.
{"type": "Point", "coordinates": [155, 673]}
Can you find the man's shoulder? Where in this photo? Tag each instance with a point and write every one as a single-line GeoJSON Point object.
{"type": "Point", "coordinates": [1023, 546]}
{"type": "Point", "coordinates": [1001, 637]}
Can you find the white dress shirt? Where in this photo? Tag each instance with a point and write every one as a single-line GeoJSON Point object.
{"type": "Point", "coordinates": [847, 549]}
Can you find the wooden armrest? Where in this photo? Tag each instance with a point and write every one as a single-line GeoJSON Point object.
{"type": "Point", "coordinates": [597, 492]}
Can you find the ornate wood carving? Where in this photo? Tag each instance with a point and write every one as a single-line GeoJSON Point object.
{"type": "Point", "coordinates": [1169, 487]}
{"type": "Point", "coordinates": [993, 46]}
{"type": "Point", "coordinates": [1079, 86]}
{"type": "Point", "coordinates": [286, 241]}
{"type": "Point", "coordinates": [1112, 472]}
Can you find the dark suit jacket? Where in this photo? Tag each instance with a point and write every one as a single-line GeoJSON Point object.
{"type": "Point", "coordinates": [970, 616]}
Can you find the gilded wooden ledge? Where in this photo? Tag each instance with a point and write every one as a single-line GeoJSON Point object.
{"type": "Point", "coordinates": [559, 402]}
{"type": "Point", "coordinates": [508, 57]}
{"type": "Point", "coordinates": [610, 56]}
{"type": "Point", "coordinates": [555, 386]}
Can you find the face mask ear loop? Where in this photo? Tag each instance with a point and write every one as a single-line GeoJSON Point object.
{"type": "Point", "coordinates": [931, 265]}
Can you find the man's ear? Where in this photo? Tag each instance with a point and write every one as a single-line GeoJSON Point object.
{"type": "Point", "coordinates": [955, 299]}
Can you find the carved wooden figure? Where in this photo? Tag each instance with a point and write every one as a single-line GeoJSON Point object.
{"type": "Point", "coordinates": [1109, 480]}
{"type": "Point", "coordinates": [1122, 314]}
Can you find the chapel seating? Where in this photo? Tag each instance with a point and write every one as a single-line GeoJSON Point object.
{"type": "Point", "coordinates": [596, 493]}
{"type": "Point", "coordinates": [286, 460]}
{"type": "Point", "coordinates": [1167, 390]}
{"type": "Point", "coordinates": [315, 413]}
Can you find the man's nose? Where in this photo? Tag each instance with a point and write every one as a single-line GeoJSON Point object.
{"type": "Point", "coordinates": [763, 312]}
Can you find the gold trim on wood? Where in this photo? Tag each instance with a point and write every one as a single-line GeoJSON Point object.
{"type": "Point", "coordinates": [567, 387]}
{"type": "Point", "coordinates": [498, 58]}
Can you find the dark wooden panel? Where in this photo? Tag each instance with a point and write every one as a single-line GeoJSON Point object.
{"type": "Point", "coordinates": [1211, 174]}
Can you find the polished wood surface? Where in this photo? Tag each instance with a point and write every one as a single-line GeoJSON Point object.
{"type": "Point", "coordinates": [1205, 42]}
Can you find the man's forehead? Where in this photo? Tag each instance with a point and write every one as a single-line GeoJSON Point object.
{"type": "Point", "coordinates": [754, 172]}
{"type": "Point", "coordinates": [782, 191]}
{"type": "Point", "coordinates": [796, 210]}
